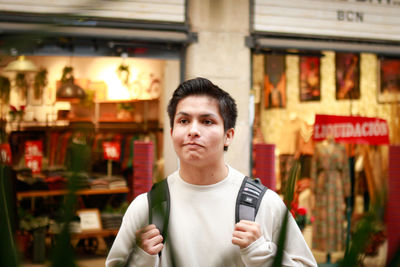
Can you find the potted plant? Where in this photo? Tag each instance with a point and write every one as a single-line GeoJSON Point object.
{"type": "Point", "coordinates": [35, 227]}
{"type": "Point", "coordinates": [124, 111]}
{"type": "Point", "coordinates": [40, 83]}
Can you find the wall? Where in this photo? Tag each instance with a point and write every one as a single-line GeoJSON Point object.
{"type": "Point", "coordinates": [272, 120]}
{"type": "Point", "coordinates": [221, 56]}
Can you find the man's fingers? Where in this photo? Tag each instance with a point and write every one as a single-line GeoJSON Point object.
{"type": "Point", "coordinates": [149, 239]}
{"type": "Point", "coordinates": [245, 233]}
{"type": "Point", "coordinates": [146, 228]}
{"type": "Point", "coordinates": [150, 233]}
{"type": "Point", "coordinates": [240, 242]}
{"type": "Point", "coordinates": [248, 226]}
{"type": "Point", "coordinates": [153, 245]}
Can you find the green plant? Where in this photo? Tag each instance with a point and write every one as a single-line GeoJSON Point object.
{"type": "Point", "coordinates": [22, 84]}
{"type": "Point", "coordinates": [125, 106]}
{"type": "Point", "coordinates": [40, 83]}
{"type": "Point", "coordinates": [28, 222]}
{"type": "Point", "coordinates": [5, 86]}
{"type": "Point", "coordinates": [124, 74]}
{"type": "Point", "coordinates": [16, 113]}
{"type": "Point", "coordinates": [288, 199]}
{"type": "Point", "coordinates": [67, 75]}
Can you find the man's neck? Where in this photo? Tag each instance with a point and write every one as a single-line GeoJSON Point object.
{"type": "Point", "coordinates": [203, 175]}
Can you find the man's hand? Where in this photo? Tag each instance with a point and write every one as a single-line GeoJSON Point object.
{"type": "Point", "coordinates": [245, 233]}
{"type": "Point", "coordinates": [149, 239]}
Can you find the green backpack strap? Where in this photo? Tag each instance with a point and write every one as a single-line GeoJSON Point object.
{"type": "Point", "coordinates": [248, 199]}
{"type": "Point", "coordinates": [247, 203]}
{"type": "Point", "coordinates": [159, 207]}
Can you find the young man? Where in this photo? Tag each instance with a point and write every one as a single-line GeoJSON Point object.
{"type": "Point", "coordinates": [202, 229]}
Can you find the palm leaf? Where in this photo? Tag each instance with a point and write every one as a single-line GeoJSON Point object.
{"type": "Point", "coordinates": [288, 198]}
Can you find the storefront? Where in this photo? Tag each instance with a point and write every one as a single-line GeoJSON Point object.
{"type": "Point", "coordinates": [313, 58]}
{"type": "Point", "coordinates": [95, 75]}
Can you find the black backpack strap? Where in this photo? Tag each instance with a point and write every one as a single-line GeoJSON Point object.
{"type": "Point", "coordinates": [248, 200]}
{"type": "Point", "coordinates": [159, 206]}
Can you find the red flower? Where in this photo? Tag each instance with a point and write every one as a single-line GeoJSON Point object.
{"type": "Point", "coordinates": [22, 108]}
{"type": "Point", "coordinates": [13, 108]}
{"type": "Point", "coordinates": [302, 211]}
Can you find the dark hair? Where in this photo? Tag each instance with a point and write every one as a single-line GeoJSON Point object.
{"type": "Point", "coordinates": [201, 86]}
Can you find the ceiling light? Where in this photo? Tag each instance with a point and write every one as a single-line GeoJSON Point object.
{"type": "Point", "coordinates": [21, 65]}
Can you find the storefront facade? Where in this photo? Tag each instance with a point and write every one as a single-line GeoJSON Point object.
{"type": "Point", "coordinates": [302, 54]}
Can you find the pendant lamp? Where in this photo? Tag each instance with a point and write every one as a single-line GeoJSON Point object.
{"type": "Point", "coordinates": [68, 88]}
{"type": "Point", "coordinates": [21, 65]}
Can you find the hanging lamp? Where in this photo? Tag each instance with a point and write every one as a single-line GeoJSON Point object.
{"type": "Point", "coordinates": [68, 88]}
{"type": "Point", "coordinates": [21, 65]}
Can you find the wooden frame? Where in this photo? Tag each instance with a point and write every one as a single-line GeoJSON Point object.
{"type": "Point", "coordinates": [347, 76]}
{"type": "Point", "coordinates": [90, 219]}
{"type": "Point", "coordinates": [389, 80]}
{"type": "Point", "coordinates": [310, 89]}
{"type": "Point", "coordinates": [274, 81]}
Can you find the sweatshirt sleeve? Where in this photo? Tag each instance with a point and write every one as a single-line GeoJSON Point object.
{"type": "Point", "coordinates": [262, 251]}
{"type": "Point", "coordinates": [124, 249]}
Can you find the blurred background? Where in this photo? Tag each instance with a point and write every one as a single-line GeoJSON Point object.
{"type": "Point", "coordinates": [316, 82]}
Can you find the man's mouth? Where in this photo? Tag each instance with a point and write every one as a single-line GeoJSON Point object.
{"type": "Point", "coordinates": [192, 145]}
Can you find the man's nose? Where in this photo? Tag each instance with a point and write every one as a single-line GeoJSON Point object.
{"type": "Point", "coordinates": [194, 129]}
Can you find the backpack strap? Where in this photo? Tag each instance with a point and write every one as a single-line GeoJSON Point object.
{"type": "Point", "coordinates": [159, 206]}
{"type": "Point", "coordinates": [248, 199]}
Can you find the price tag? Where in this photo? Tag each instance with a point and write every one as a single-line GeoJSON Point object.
{"type": "Point", "coordinates": [34, 163]}
{"type": "Point", "coordinates": [34, 148]}
{"type": "Point", "coordinates": [112, 150]}
{"type": "Point", "coordinates": [5, 154]}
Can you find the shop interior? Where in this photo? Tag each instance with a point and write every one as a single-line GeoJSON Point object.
{"type": "Point", "coordinates": [338, 181]}
{"type": "Point", "coordinates": [110, 107]}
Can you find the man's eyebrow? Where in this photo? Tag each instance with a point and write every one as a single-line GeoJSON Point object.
{"type": "Point", "coordinates": [182, 113]}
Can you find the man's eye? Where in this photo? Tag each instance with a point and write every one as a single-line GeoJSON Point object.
{"type": "Point", "coordinates": [183, 121]}
{"type": "Point", "coordinates": [208, 122]}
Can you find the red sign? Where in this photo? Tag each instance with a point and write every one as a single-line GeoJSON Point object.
{"type": "Point", "coordinates": [34, 163]}
{"type": "Point", "coordinates": [34, 148]}
{"type": "Point", "coordinates": [112, 150]}
{"type": "Point", "coordinates": [351, 129]}
{"type": "Point", "coordinates": [34, 155]}
{"type": "Point", "coordinates": [5, 154]}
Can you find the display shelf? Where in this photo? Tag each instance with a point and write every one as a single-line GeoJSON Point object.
{"type": "Point", "coordinates": [95, 233]}
{"type": "Point", "coordinates": [47, 193]}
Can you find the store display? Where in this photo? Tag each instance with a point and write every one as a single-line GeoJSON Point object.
{"type": "Point", "coordinates": [332, 185]}
{"type": "Point", "coordinates": [309, 78]}
{"type": "Point", "coordinates": [389, 91]}
{"type": "Point", "coordinates": [264, 164]}
{"type": "Point", "coordinates": [275, 81]}
{"type": "Point", "coordinates": [347, 76]}
{"type": "Point", "coordinates": [287, 148]}
{"type": "Point", "coordinates": [305, 148]}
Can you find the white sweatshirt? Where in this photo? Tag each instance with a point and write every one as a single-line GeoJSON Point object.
{"type": "Point", "coordinates": [201, 224]}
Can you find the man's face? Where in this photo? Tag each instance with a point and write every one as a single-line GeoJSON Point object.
{"type": "Point", "coordinates": [198, 132]}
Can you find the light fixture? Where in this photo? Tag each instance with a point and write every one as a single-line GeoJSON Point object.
{"type": "Point", "coordinates": [70, 90]}
{"type": "Point", "coordinates": [21, 65]}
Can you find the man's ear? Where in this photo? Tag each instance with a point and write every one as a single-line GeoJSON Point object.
{"type": "Point", "coordinates": [229, 136]}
